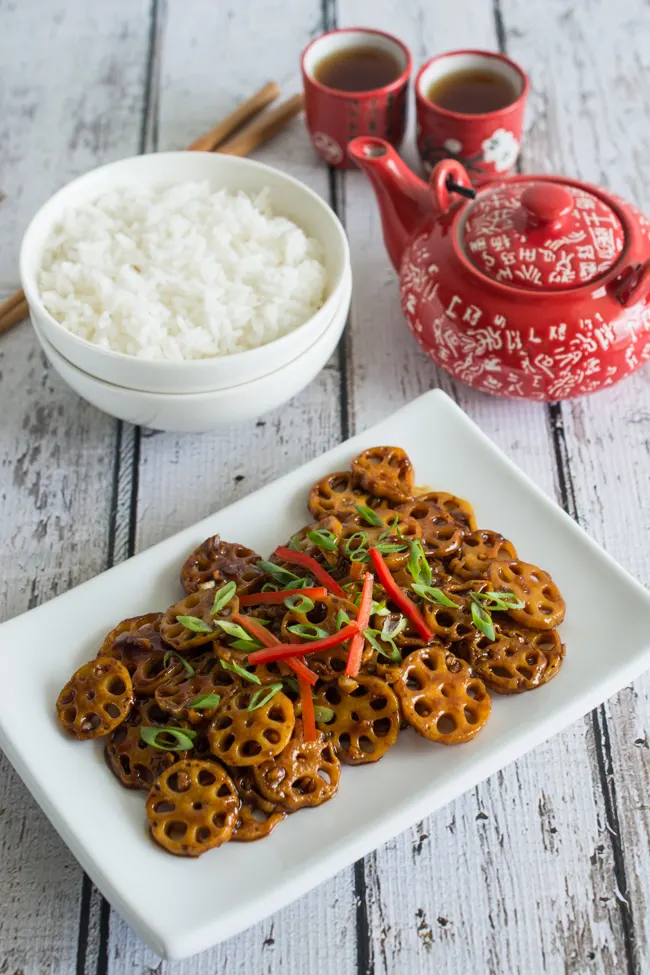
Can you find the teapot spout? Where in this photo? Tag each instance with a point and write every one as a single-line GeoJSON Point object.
{"type": "Point", "coordinates": [404, 199]}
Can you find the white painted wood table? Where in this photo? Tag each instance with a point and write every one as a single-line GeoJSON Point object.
{"type": "Point", "coordinates": [546, 866]}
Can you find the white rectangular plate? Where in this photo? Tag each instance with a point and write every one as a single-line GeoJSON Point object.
{"type": "Point", "coordinates": [184, 906]}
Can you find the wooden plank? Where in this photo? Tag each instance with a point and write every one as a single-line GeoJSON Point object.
{"type": "Point", "coordinates": [59, 118]}
{"type": "Point", "coordinates": [526, 851]}
{"type": "Point", "coordinates": [596, 75]}
{"type": "Point", "coordinates": [209, 63]}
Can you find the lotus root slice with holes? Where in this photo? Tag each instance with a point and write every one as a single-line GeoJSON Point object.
{"type": "Point", "coordinates": [441, 534]}
{"type": "Point", "coordinates": [544, 607]}
{"type": "Point", "coordinates": [441, 698]}
{"type": "Point", "coordinates": [366, 719]}
{"type": "Point", "coordinates": [510, 665]}
{"type": "Point", "coordinates": [336, 495]}
{"type": "Point", "coordinates": [238, 736]}
{"type": "Point", "coordinates": [215, 562]}
{"type": "Point", "coordinates": [192, 807]}
{"type": "Point", "coordinates": [386, 472]}
{"type": "Point", "coordinates": [477, 552]}
{"type": "Point", "coordinates": [460, 510]}
{"type": "Point", "coordinates": [96, 699]}
{"type": "Point", "coordinates": [135, 763]}
{"type": "Point", "coordinates": [305, 773]}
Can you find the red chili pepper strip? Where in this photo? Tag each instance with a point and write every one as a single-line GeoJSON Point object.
{"type": "Point", "coordinates": [260, 632]}
{"type": "Point", "coordinates": [363, 619]}
{"type": "Point", "coordinates": [283, 651]}
{"type": "Point", "coordinates": [306, 561]}
{"type": "Point", "coordinates": [308, 716]}
{"type": "Point", "coordinates": [399, 597]}
{"type": "Point", "coordinates": [316, 592]}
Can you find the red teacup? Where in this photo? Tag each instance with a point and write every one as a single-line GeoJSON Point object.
{"type": "Point", "coordinates": [486, 143]}
{"type": "Point", "coordinates": [334, 116]}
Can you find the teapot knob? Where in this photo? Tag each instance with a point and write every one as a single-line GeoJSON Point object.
{"type": "Point", "coordinates": [546, 204]}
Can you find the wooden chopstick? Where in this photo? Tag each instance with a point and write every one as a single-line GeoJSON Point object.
{"type": "Point", "coordinates": [223, 130]}
{"type": "Point", "coordinates": [244, 141]}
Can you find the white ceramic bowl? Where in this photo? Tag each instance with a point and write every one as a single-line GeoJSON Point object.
{"type": "Point", "coordinates": [197, 412]}
{"type": "Point", "coordinates": [289, 197]}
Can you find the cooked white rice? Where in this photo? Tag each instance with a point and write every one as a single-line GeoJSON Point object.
{"type": "Point", "coordinates": [180, 272]}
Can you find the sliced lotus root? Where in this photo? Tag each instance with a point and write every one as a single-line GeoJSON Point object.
{"type": "Point", "coordinates": [135, 763]}
{"type": "Point", "coordinates": [478, 550]}
{"type": "Point", "coordinates": [198, 605]}
{"type": "Point", "coordinates": [215, 562]}
{"type": "Point", "coordinates": [140, 626]}
{"type": "Point", "coordinates": [357, 536]}
{"type": "Point", "coordinates": [238, 736]}
{"type": "Point", "coordinates": [440, 578]}
{"type": "Point", "coordinates": [96, 699]}
{"type": "Point", "coordinates": [331, 662]}
{"type": "Point", "coordinates": [460, 510]}
{"type": "Point", "coordinates": [305, 773]}
{"type": "Point", "coordinates": [175, 697]}
{"type": "Point", "coordinates": [192, 807]}
{"type": "Point", "coordinates": [248, 793]}
{"type": "Point", "coordinates": [386, 472]}
{"type": "Point", "coordinates": [547, 640]}
{"type": "Point", "coordinates": [450, 624]}
{"type": "Point", "coordinates": [337, 495]}
{"type": "Point", "coordinates": [366, 719]}
{"type": "Point", "coordinates": [510, 665]}
{"type": "Point", "coordinates": [441, 699]}
{"type": "Point", "coordinates": [255, 824]}
{"type": "Point", "coordinates": [544, 607]}
{"type": "Point", "coordinates": [329, 525]}
{"type": "Point", "coordinates": [441, 533]}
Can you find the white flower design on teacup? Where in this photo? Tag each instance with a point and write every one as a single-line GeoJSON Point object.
{"type": "Point", "coordinates": [502, 149]}
{"type": "Point", "coordinates": [453, 146]}
{"type": "Point", "coordinates": [328, 147]}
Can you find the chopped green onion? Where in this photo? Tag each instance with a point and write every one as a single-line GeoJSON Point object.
{"type": "Point", "coordinates": [236, 669]}
{"type": "Point", "coordinates": [283, 576]}
{"type": "Point", "coordinates": [263, 696]}
{"type": "Point", "coordinates": [379, 608]}
{"type": "Point", "coordinates": [308, 631]}
{"type": "Point", "coordinates": [386, 548]}
{"type": "Point", "coordinates": [374, 637]}
{"type": "Point", "coordinates": [270, 587]}
{"type": "Point", "coordinates": [342, 619]}
{"type": "Point", "coordinates": [299, 604]}
{"type": "Point", "coordinates": [233, 629]}
{"type": "Point", "coordinates": [294, 544]}
{"type": "Point", "coordinates": [205, 701]}
{"type": "Point", "coordinates": [248, 646]}
{"type": "Point", "coordinates": [481, 618]}
{"type": "Point", "coordinates": [174, 653]}
{"type": "Point", "coordinates": [369, 515]}
{"type": "Point", "coordinates": [322, 714]}
{"type": "Point", "coordinates": [324, 539]}
{"type": "Point", "coordinates": [393, 628]}
{"type": "Point", "coordinates": [500, 600]}
{"type": "Point", "coordinates": [360, 555]}
{"type": "Point", "coordinates": [433, 595]}
{"type": "Point", "coordinates": [363, 544]}
{"type": "Point", "coordinates": [223, 596]}
{"type": "Point", "coordinates": [418, 565]}
{"type": "Point", "coordinates": [305, 583]}
{"type": "Point", "coordinates": [182, 738]}
{"type": "Point", "coordinates": [293, 684]}
{"type": "Point", "coordinates": [194, 624]}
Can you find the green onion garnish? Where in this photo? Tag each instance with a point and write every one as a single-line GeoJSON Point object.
{"type": "Point", "coordinates": [500, 600]}
{"type": "Point", "coordinates": [233, 629]}
{"type": "Point", "coordinates": [223, 596]}
{"type": "Point", "coordinates": [236, 669]}
{"type": "Point", "coordinates": [418, 565]}
{"type": "Point", "coordinates": [360, 555]}
{"type": "Point", "coordinates": [481, 618]}
{"type": "Point", "coordinates": [374, 638]}
{"type": "Point", "coordinates": [293, 684]}
{"type": "Point", "coordinates": [263, 696]}
{"type": "Point", "coordinates": [294, 544]}
{"type": "Point", "coordinates": [324, 539]}
{"type": "Point", "coordinates": [174, 653]}
{"type": "Point", "coordinates": [433, 595]}
{"type": "Point", "coordinates": [350, 549]}
{"type": "Point", "coordinates": [299, 604]}
{"type": "Point", "coordinates": [386, 548]}
{"type": "Point", "coordinates": [283, 576]}
{"type": "Point", "coordinates": [393, 628]}
{"type": "Point", "coordinates": [270, 587]}
{"type": "Point", "coordinates": [308, 631]}
{"type": "Point", "coordinates": [322, 714]}
{"type": "Point", "coordinates": [194, 624]}
{"type": "Point", "coordinates": [370, 516]}
{"type": "Point", "coordinates": [342, 619]}
{"type": "Point", "coordinates": [248, 646]}
{"type": "Point", "coordinates": [205, 701]}
{"type": "Point", "coordinates": [182, 739]}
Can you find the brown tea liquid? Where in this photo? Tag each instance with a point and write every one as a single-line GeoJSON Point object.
{"type": "Point", "coordinates": [472, 91]}
{"type": "Point", "coordinates": [357, 69]}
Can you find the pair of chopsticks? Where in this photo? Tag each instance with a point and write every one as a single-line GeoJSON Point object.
{"type": "Point", "coordinates": [246, 128]}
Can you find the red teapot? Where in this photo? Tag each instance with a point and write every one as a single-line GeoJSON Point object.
{"type": "Point", "coordinates": [533, 287]}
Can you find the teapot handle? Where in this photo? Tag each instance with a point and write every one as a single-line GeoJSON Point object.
{"type": "Point", "coordinates": [632, 284]}
{"type": "Point", "coordinates": [446, 172]}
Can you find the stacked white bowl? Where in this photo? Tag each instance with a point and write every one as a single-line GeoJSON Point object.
{"type": "Point", "coordinates": [198, 394]}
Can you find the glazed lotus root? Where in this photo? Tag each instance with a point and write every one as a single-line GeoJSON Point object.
{"type": "Point", "coordinates": [366, 719]}
{"type": "Point", "coordinates": [358, 536]}
{"type": "Point", "coordinates": [238, 736]}
{"type": "Point", "coordinates": [451, 625]}
{"type": "Point", "coordinates": [328, 663]}
{"type": "Point", "coordinates": [176, 696]}
{"type": "Point", "coordinates": [135, 763]}
{"type": "Point", "coordinates": [441, 534]}
{"type": "Point", "coordinates": [302, 541]}
{"type": "Point", "coordinates": [511, 665]}
{"type": "Point", "coordinates": [459, 509]}
{"type": "Point", "coordinates": [386, 472]}
{"type": "Point", "coordinates": [198, 605]}
{"type": "Point", "coordinates": [440, 697]}
{"type": "Point", "coordinates": [142, 627]}
{"type": "Point", "coordinates": [336, 495]}
{"type": "Point", "coordinates": [148, 668]}
{"type": "Point", "coordinates": [215, 562]}
{"type": "Point", "coordinates": [192, 807]}
{"type": "Point", "coordinates": [478, 550]}
{"type": "Point", "coordinates": [544, 607]}
{"type": "Point", "coordinates": [305, 773]}
{"type": "Point", "coordinates": [96, 699]}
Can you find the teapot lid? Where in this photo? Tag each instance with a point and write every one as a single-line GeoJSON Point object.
{"type": "Point", "coordinates": [541, 235]}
